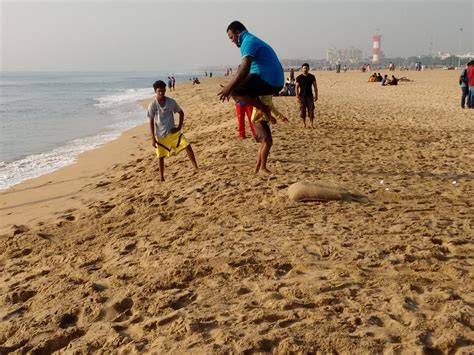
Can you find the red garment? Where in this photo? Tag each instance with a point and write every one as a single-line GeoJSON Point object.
{"type": "Point", "coordinates": [241, 111]}
{"type": "Point", "coordinates": [470, 75]}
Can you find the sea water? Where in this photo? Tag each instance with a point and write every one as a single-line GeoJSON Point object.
{"type": "Point", "coordinates": [48, 119]}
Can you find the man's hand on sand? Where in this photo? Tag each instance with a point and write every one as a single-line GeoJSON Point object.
{"type": "Point", "coordinates": [154, 143]}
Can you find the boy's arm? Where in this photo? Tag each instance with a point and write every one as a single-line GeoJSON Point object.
{"type": "Point", "coordinates": [153, 135]}
{"type": "Point", "coordinates": [297, 89]}
{"type": "Point", "coordinates": [181, 120]}
{"type": "Point", "coordinates": [278, 114]}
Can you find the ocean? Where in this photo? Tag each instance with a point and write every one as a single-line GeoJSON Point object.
{"type": "Point", "coordinates": [48, 119]}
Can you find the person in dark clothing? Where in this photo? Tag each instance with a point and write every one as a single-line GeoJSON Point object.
{"type": "Point", "coordinates": [305, 83]}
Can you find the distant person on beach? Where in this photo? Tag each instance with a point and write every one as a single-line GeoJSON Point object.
{"type": "Point", "coordinates": [393, 81]}
{"type": "Point", "coordinates": [385, 80]}
{"type": "Point", "coordinates": [463, 83]}
{"type": "Point", "coordinates": [470, 83]}
{"type": "Point", "coordinates": [210, 74]}
{"type": "Point", "coordinates": [379, 77]}
{"type": "Point", "coordinates": [305, 83]}
{"type": "Point", "coordinates": [263, 133]}
{"type": "Point", "coordinates": [165, 136]}
{"type": "Point", "coordinates": [243, 109]}
{"type": "Point", "coordinates": [170, 83]}
{"type": "Point", "coordinates": [173, 83]}
{"type": "Point", "coordinates": [260, 72]}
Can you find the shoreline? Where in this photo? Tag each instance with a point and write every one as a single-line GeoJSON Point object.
{"type": "Point", "coordinates": [56, 188]}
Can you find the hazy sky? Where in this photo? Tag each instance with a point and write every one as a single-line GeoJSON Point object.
{"type": "Point", "coordinates": [181, 35]}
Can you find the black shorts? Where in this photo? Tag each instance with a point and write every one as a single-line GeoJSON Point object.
{"type": "Point", "coordinates": [306, 103]}
{"type": "Point", "coordinates": [262, 131]}
{"type": "Point", "coordinates": [255, 86]}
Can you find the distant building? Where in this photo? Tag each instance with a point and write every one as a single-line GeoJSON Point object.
{"type": "Point", "coordinates": [444, 55]}
{"type": "Point", "coordinates": [376, 50]}
{"type": "Point", "coordinates": [344, 55]}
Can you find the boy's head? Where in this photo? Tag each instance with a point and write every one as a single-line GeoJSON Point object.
{"type": "Point", "coordinates": [160, 89]}
{"type": "Point", "coordinates": [305, 68]}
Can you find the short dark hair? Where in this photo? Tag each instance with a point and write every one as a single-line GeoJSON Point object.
{"type": "Point", "coordinates": [305, 65]}
{"type": "Point", "coordinates": [159, 84]}
{"type": "Point", "coordinates": [236, 26]}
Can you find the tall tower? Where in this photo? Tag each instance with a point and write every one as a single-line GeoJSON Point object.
{"type": "Point", "coordinates": [376, 48]}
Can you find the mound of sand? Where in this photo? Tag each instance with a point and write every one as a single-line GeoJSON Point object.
{"type": "Point", "coordinates": [321, 191]}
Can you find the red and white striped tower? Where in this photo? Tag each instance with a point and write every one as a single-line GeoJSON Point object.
{"type": "Point", "coordinates": [376, 49]}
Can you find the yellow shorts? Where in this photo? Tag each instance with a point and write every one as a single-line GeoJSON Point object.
{"type": "Point", "coordinates": [171, 144]}
{"type": "Point", "coordinates": [267, 101]}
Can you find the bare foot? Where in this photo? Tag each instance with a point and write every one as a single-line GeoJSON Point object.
{"type": "Point", "coordinates": [265, 171]}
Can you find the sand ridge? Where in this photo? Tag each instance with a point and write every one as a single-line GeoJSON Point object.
{"type": "Point", "coordinates": [222, 261]}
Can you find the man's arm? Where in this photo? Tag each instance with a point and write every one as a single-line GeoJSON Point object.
{"type": "Point", "coordinates": [315, 86]}
{"type": "Point", "coordinates": [297, 89]}
{"type": "Point", "coordinates": [242, 73]}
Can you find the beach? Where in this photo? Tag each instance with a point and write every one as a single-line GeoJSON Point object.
{"type": "Point", "coordinates": [102, 256]}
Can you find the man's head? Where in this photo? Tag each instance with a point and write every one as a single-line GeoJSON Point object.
{"type": "Point", "coordinates": [470, 63]}
{"type": "Point", "coordinates": [160, 89]}
{"type": "Point", "coordinates": [234, 30]}
{"type": "Point", "coordinates": [305, 68]}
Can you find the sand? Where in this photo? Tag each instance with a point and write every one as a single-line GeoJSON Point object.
{"type": "Point", "coordinates": [105, 257]}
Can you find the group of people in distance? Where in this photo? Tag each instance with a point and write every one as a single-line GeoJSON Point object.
{"type": "Point", "coordinates": [466, 81]}
{"type": "Point", "coordinates": [383, 80]}
{"type": "Point", "coordinates": [259, 77]}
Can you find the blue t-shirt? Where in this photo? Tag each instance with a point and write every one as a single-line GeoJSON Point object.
{"type": "Point", "coordinates": [264, 59]}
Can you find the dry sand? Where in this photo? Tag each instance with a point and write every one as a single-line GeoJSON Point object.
{"type": "Point", "coordinates": [104, 257]}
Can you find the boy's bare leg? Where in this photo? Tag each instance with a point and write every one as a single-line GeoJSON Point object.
{"type": "Point", "coordinates": [311, 119]}
{"type": "Point", "coordinates": [264, 156]}
{"type": "Point", "coordinates": [304, 121]}
{"type": "Point", "coordinates": [191, 156]}
{"type": "Point", "coordinates": [259, 158]}
{"type": "Point", "coordinates": [162, 169]}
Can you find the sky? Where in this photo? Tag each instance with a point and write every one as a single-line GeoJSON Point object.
{"type": "Point", "coordinates": [179, 35]}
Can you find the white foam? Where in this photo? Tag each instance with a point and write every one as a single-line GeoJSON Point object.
{"type": "Point", "coordinates": [131, 95]}
{"type": "Point", "coordinates": [35, 165]}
